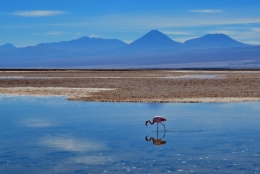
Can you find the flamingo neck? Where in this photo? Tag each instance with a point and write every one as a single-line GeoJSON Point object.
{"type": "Point", "coordinates": [148, 121]}
{"type": "Point", "coordinates": [150, 139]}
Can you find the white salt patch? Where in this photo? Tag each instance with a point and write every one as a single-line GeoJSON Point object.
{"type": "Point", "coordinates": [196, 77]}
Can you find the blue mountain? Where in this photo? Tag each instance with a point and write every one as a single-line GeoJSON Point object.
{"type": "Point", "coordinates": [152, 41]}
{"type": "Point", "coordinates": [154, 49]}
{"type": "Point", "coordinates": [212, 41]}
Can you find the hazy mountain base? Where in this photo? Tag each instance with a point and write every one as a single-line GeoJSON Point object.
{"type": "Point", "coordinates": [228, 57]}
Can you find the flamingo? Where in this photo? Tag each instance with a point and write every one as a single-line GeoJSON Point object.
{"type": "Point", "coordinates": [156, 119]}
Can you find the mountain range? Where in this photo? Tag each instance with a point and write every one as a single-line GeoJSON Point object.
{"type": "Point", "coordinates": [153, 50]}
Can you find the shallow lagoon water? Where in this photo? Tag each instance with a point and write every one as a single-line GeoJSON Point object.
{"type": "Point", "coordinates": [53, 135]}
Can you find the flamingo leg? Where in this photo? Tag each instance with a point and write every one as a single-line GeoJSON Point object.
{"type": "Point", "coordinates": [163, 126]}
{"type": "Point", "coordinates": [162, 136]}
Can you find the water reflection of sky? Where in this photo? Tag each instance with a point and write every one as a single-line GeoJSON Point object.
{"type": "Point", "coordinates": [52, 135]}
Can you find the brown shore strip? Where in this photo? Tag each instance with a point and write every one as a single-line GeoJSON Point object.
{"type": "Point", "coordinates": [135, 86]}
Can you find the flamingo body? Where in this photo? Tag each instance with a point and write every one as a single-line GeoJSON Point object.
{"type": "Point", "coordinates": [156, 119]}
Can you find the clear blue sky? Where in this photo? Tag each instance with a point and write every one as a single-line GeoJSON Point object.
{"type": "Point", "coordinates": [29, 22]}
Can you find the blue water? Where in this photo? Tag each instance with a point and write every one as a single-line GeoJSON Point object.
{"type": "Point", "coordinates": [53, 135]}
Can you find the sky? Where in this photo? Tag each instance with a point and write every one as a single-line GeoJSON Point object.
{"type": "Point", "coordinates": [30, 22]}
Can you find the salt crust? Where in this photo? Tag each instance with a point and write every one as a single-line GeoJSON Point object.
{"type": "Point", "coordinates": [77, 93]}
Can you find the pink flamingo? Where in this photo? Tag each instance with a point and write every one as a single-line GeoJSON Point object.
{"type": "Point", "coordinates": [156, 119]}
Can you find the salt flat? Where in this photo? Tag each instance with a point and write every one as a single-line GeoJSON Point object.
{"type": "Point", "coordinates": [136, 85]}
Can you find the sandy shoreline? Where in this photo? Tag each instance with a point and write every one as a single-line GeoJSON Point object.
{"type": "Point", "coordinates": [69, 93]}
{"type": "Point", "coordinates": [78, 93]}
{"type": "Point", "coordinates": [136, 86]}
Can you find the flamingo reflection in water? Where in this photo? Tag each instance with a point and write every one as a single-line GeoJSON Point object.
{"type": "Point", "coordinates": [157, 141]}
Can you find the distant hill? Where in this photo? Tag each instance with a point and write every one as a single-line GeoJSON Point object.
{"type": "Point", "coordinates": [153, 41]}
{"type": "Point", "coordinates": [84, 44]}
{"type": "Point", "coordinates": [213, 41]}
{"type": "Point", "coordinates": [7, 47]}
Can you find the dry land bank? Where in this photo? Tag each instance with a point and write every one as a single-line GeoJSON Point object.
{"type": "Point", "coordinates": [136, 85]}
